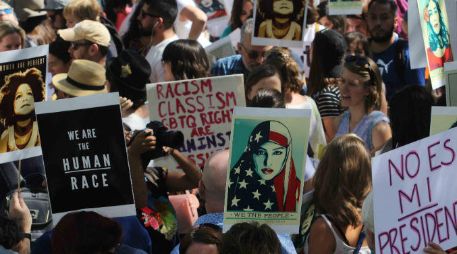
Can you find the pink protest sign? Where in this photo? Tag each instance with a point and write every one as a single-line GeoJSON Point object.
{"type": "Point", "coordinates": [415, 195]}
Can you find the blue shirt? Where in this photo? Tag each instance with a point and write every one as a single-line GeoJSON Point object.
{"type": "Point", "coordinates": [287, 247]}
{"type": "Point", "coordinates": [228, 66]}
{"type": "Point", "coordinates": [387, 62]}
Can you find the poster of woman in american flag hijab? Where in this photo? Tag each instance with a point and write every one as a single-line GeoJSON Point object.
{"type": "Point", "coordinates": [267, 165]}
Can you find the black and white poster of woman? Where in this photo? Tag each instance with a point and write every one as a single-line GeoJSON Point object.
{"type": "Point", "coordinates": [435, 31]}
{"type": "Point", "coordinates": [279, 22]}
{"type": "Point", "coordinates": [22, 83]}
{"type": "Point", "coordinates": [267, 158]}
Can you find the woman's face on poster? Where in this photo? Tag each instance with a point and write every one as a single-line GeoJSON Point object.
{"type": "Point", "coordinates": [269, 160]}
{"type": "Point", "coordinates": [283, 7]}
{"type": "Point", "coordinates": [434, 17]}
{"type": "Point", "coordinates": [23, 100]}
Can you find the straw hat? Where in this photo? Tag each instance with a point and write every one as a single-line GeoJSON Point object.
{"type": "Point", "coordinates": [83, 78]}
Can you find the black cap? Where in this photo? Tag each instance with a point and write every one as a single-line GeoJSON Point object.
{"type": "Point", "coordinates": [129, 73]}
{"type": "Point", "coordinates": [330, 46]}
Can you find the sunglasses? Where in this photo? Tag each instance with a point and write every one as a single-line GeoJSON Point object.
{"type": "Point", "coordinates": [6, 11]}
{"type": "Point", "coordinates": [76, 45]}
{"type": "Point", "coordinates": [253, 54]}
{"type": "Point", "coordinates": [360, 61]}
{"type": "Point", "coordinates": [144, 13]}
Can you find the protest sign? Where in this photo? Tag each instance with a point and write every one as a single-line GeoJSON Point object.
{"type": "Point", "coordinates": [451, 8]}
{"type": "Point", "coordinates": [201, 109]}
{"type": "Point", "coordinates": [415, 195]}
{"type": "Point", "coordinates": [345, 7]}
{"type": "Point", "coordinates": [267, 159]}
{"type": "Point", "coordinates": [212, 8]}
{"type": "Point", "coordinates": [450, 70]}
{"type": "Point", "coordinates": [416, 46]}
{"type": "Point", "coordinates": [219, 49]}
{"type": "Point", "coordinates": [85, 156]}
{"type": "Point", "coordinates": [435, 31]}
{"type": "Point", "coordinates": [22, 75]}
{"type": "Point", "coordinates": [216, 12]}
{"type": "Point", "coordinates": [281, 24]}
{"type": "Point", "coordinates": [443, 118]}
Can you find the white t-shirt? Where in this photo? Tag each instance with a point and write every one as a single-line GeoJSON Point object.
{"type": "Point", "coordinates": [154, 58]}
{"type": "Point", "coordinates": [182, 28]}
{"type": "Point", "coordinates": [317, 139]}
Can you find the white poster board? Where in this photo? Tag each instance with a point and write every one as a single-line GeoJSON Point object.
{"type": "Point", "coordinates": [201, 109]}
{"type": "Point", "coordinates": [416, 46]}
{"type": "Point", "coordinates": [415, 195]}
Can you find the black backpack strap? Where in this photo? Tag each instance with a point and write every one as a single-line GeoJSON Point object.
{"type": "Point", "coordinates": [400, 59]}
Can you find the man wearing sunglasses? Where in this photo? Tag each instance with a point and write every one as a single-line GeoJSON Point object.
{"type": "Point", "coordinates": [249, 55]}
{"type": "Point", "coordinates": [156, 19]}
{"type": "Point", "coordinates": [89, 40]}
{"type": "Point", "coordinates": [7, 13]}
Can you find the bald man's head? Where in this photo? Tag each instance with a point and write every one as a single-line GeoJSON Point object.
{"type": "Point", "coordinates": [212, 185]}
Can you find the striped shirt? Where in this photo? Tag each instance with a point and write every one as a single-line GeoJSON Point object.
{"type": "Point", "coordinates": [328, 101]}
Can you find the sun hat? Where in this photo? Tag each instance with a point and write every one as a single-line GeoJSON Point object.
{"type": "Point", "coordinates": [83, 78]}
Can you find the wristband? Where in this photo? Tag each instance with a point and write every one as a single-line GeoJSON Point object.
{"type": "Point", "coordinates": [26, 235]}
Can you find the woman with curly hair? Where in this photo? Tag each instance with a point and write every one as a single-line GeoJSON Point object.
{"type": "Point", "coordinates": [184, 59]}
{"type": "Point", "coordinates": [17, 101]}
{"type": "Point", "coordinates": [341, 183]}
{"type": "Point", "coordinates": [291, 85]}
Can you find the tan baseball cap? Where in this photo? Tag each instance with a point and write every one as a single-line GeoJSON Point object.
{"type": "Point", "coordinates": [90, 30]}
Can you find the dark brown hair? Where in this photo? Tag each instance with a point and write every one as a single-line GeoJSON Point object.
{"type": "Point", "coordinates": [251, 238]}
{"type": "Point", "coordinates": [85, 232]}
{"type": "Point", "coordinates": [187, 58]}
{"type": "Point", "coordinates": [237, 8]}
{"type": "Point", "coordinates": [205, 233]}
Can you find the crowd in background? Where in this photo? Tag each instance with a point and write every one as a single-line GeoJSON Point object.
{"type": "Point", "coordinates": [364, 97]}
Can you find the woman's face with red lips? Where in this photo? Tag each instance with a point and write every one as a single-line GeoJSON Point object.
{"type": "Point", "coordinates": [269, 160]}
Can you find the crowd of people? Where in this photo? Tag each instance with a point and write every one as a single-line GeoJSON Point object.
{"type": "Point", "coordinates": [364, 98]}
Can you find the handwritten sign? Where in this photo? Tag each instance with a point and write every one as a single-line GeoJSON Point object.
{"type": "Point", "coordinates": [84, 155]}
{"type": "Point", "coordinates": [201, 109]}
{"type": "Point", "coordinates": [415, 195]}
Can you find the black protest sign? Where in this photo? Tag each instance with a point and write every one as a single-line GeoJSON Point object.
{"type": "Point", "coordinates": [85, 156]}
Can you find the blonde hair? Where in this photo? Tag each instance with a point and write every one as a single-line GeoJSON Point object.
{"type": "Point", "coordinates": [83, 9]}
{"type": "Point", "coordinates": [7, 28]}
{"type": "Point", "coordinates": [343, 180]}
